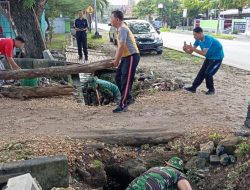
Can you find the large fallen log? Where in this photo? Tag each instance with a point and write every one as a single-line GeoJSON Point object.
{"type": "Point", "coordinates": [55, 71]}
{"type": "Point", "coordinates": [35, 92]}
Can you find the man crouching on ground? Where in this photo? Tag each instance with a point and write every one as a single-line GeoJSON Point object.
{"type": "Point", "coordinates": [169, 177]}
{"type": "Point", "coordinates": [127, 58]}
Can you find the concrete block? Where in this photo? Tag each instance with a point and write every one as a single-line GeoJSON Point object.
{"type": "Point", "coordinates": [23, 182]}
{"type": "Point", "coordinates": [47, 55]}
{"type": "Point", "coordinates": [206, 150]}
{"type": "Point", "coordinates": [214, 159]}
{"type": "Point", "coordinates": [49, 171]}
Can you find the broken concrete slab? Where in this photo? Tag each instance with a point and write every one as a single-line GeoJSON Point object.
{"type": "Point", "coordinates": [230, 144]}
{"type": "Point", "coordinates": [49, 171]}
{"type": "Point", "coordinates": [214, 159]}
{"type": "Point", "coordinates": [206, 150]}
{"type": "Point", "coordinates": [23, 182]}
{"type": "Point", "coordinates": [48, 55]}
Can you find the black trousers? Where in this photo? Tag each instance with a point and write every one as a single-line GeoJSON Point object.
{"type": "Point", "coordinates": [207, 71]}
{"type": "Point", "coordinates": [125, 77]}
{"type": "Point", "coordinates": [81, 38]}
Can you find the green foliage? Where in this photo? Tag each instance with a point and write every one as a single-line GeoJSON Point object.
{"type": "Point", "coordinates": [215, 136]}
{"type": "Point", "coordinates": [196, 7]}
{"type": "Point", "coordinates": [190, 150]}
{"type": "Point", "coordinates": [28, 3]}
{"type": "Point", "coordinates": [96, 164]}
{"type": "Point", "coordinates": [192, 176]}
{"type": "Point", "coordinates": [95, 43]}
{"type": "Point", "coordinates": [58, 42]}
{"type": "Point", "coordinates": [165, 29]}
{"type": "Point", "coordinates": [243, 149]}
{"type": "Point", "coordinates": [145, 8]}
{"type": "Point", "coordinates": [234, 176]}
{"type": "Point", "coordinates": [224, 36]}
{"type": "Point", "coordinates": [70, 8]}
{"type": "Point", "coordinates": [180, 57]}
{"type": "Point", "coordinates": [171, 12]}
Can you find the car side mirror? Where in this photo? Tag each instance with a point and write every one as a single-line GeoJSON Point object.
{"type": "Point", "coordinates": [110, 24]}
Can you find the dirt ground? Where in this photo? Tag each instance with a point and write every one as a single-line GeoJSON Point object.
{"type": "Point", "coordinates": [158, 113]}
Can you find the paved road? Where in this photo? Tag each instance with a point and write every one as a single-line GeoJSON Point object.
{"type": "Point", "coordinates": [236, 52]}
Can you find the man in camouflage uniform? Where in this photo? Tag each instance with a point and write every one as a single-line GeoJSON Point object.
{"type": "Point", "coordinates": [108, 91]}
{"type": "Point", "coordinates": [162, 178]}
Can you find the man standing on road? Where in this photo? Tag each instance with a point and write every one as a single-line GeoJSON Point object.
{"type": "Point", "coordinates": [212, 49]}
{"type": "Point", "coordinates": [6, 51]}
{"type": "Point", "coordinates": [127, 58]}
{"type": "Point", "coordinates": [163, 178]}
{"type": "Point", "coordinates": [81, 26]}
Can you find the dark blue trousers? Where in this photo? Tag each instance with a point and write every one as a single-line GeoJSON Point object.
{"type": "Point", "coordinates": [207, 71]}
{"type": "Point", "coordinates": [125, 77]}
{"type": "Point", "coordinates": [81, 38]}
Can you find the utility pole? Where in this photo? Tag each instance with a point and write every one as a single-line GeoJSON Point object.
{"type": "Point", "coordinates": [97, 35]}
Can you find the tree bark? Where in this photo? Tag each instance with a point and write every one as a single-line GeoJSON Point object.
{"type": "Point", "coordinates": [25, 22]}
{"type": "Point", "coordinates": [55, 71]}
{"type": "Point", "coordinates": [35, 92]}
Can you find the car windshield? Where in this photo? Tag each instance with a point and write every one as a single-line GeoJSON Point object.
{"type": "Point", "coordinates": [141, 28]}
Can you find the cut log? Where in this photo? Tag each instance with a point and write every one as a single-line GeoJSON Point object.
{"type": "Point", "coordinates": [35, 92]}
{"type": "Point", "coordinates": [56, 71]}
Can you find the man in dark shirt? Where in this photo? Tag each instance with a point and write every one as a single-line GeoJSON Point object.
{"type": "Point", "coordinates": [81, 26]}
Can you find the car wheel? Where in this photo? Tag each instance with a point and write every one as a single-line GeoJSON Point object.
{"type": "Point", "coordinates": [159, 52]}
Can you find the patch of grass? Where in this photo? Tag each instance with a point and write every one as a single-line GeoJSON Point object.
{"type": "Point", "coordinates": [58, 42]}
{"type": "Point", "coordinates": [190, 150]}
{"type": "Point", "coordinates": [239, 172]}
{"type": "Point", "coordinates": [181, 57]}
{"type": "Point", "coordinates": [243, 149]}
{"type": "Point", "coordinates": [215, 136]}
{"type": "Point", "coordinates": [165, 29]}
{"type": "Point", "coordinates": [192, 176]}
{"type": "Point", "coordinates": [96, 164]}
{"type": "Point", "coordinates": [96, 43]}
{"type": "Point", "coordinates": [224, 36]}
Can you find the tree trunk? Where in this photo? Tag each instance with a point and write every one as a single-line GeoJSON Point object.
{"type": "Point", "coordinates": [25, 22]}
{"type": "Point", "coordinates": [35, 92]}
{"type": "Point", "coordinates": [56, 71]}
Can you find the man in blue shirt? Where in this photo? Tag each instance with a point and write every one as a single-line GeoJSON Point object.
{"type": "Point", "coordinates": [81, 26]}
{"type": "Point", "coordinates": [212, 49]}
